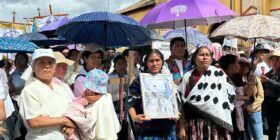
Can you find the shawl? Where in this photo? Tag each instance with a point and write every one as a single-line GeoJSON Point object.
{"type": "Point", "coordinates": [213, 96]}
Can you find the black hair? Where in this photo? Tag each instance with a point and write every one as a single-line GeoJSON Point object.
{"type": "Point", "coordinates": [173, 40]}
{"type": "Point", "coordinates": [194, 55]}
{"type": "Point", "coordinates": [86, 54]}
{"type": "Point", "coordinates": [110, 48]}
{"type": "Point", "coordinates": [23, 54]}
{"type": "Point", "coordinates": [104, 61]}
{"type": "Point", "coordinates": [61, 48]}
{"type": "Point", "coordinates": [125, 52]}
{"type": "Point", "coordinates": [71, 52]}
{"type": "Point", "coordinates": [150, 52]}
{"type": "Point", "coordinates": [118, 58]}
{"type": "Point", "coordinates": [226, 60]}
{"type": "Point", "coordinates": [3, 63]}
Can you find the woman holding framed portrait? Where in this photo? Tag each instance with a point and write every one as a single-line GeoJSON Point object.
{"type": "Point", "coordinates": [147, 128]}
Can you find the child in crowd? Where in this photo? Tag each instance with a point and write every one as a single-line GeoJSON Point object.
{"type": "Point", "coordinates": [97, 120]}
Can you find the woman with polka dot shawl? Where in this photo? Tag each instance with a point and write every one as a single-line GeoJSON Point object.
{"type": "Point", "coordinates": [208, 97]}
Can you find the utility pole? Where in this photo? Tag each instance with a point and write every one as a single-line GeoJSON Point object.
{"type": "Point", "coordinates": [38, 9]}
{"type": "Point", "coordinates": [14, 16]}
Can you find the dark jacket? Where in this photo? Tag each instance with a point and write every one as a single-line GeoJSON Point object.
{"type": "Point", "coordinates": [272, 86]}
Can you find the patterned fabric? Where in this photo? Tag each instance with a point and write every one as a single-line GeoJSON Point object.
{"type": "Point", "coordinates": [212, 96]}
{"type": "Point", "coordinates": [193, 36]}
{"type": "Point", "coordinates": [97, 81]}
{"type": "Point", "coordinates": [148, 130]}
{"type": "Point", "coordinates": [174, 69]}
{"type": "Point", "coordinates": [249, 27]}
{"type": "Point", "coordinates": [14, 45]}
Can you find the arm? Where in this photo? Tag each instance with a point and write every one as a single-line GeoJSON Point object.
{"type": "Point", "coordinates": [44, 121]}
{"type": "Point", "coordinates": [139, 118]}
{"type": "Point", "coordinates": [2, 111]}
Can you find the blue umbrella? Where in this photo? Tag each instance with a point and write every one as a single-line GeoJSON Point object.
{"type": "Point", "coordinates": [194, 37]}
{"type": "Point", "coordinates": [14, 45]}
{"type": "Point", "coordinates": [42, 40]}
{"type": "Point", "coordinates": [105, 29]}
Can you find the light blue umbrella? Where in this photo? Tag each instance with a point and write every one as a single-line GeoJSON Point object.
{"type": "Point", "coordinates": [14, 45]}
{"type": "Point", "coordinates": [105, 29]}
{"type": "Point", "coordinates": [194, 37]}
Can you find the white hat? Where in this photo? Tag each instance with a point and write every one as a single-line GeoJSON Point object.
{"type": "Point", "coordinates": [42, 53]}
{"type": "Point", "coordinates": [60, 58]}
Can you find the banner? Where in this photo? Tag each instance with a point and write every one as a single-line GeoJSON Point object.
{"type": "Point", "coordinates": [41, 22]}
{"type": "Point", "coordinates": [11, 30]}
{"type": "Point", "coordinates": [163, 47]}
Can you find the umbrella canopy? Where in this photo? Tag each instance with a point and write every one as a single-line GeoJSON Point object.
{"type": "Point", "coordinates": [14, 45]}
{"type": "Point", "coordinates": [32, 36]}
{"type": "Point", "coordinates": [104, 28]}
{"type": "Point", "coordinates": [41, 40]}
{"type": "Point", "coordinates": [194, 37]}
{"type": "Point", "coordinates": [182, 13]}
{"type": "Point", "coordinates": [250, 27]}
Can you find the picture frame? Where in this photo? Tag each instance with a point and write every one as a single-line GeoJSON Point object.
{"type": "Point", "coordinates": [158, 96]}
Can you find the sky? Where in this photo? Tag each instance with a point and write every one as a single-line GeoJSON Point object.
{"type": "Point", "coordinates": [28, 8]}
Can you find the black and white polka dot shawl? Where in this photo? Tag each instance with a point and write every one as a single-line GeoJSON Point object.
{"type": "Point", "coordinates": [213, 96]}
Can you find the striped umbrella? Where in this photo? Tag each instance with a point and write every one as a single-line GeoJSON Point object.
{"type": "Point", "coordinates": [105, 29]}
{"type": "Point", "coordinates": [194, 37]}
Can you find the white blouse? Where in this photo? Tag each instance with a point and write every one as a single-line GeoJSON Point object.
{"type": "Point", "coordinates": [37, 99]}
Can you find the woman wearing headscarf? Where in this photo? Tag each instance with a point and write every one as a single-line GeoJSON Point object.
{"type": "Point", "coordinates": [208, 97]}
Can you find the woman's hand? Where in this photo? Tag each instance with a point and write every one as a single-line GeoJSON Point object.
{"type": "Point", "coordinates": [68, 123]}
{"type": "Point", "coordinates": [140, 118]}
{"type": "Point", "coordinates": [68, 131]}
{"type": "Point", "coordinates": [178, 81]}
{"type": "Point", "coordinates": [2, 131]}
{"type": "Point", "coordinates": [264, 78]}
{"type": "Point", "coordinates": [176, 118]}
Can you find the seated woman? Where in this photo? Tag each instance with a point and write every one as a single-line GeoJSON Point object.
{"type": "Point", "coordinates": [157, 129]}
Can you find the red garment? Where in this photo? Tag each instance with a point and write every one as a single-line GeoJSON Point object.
{"type": "Point", "coordinates": [195, 76]}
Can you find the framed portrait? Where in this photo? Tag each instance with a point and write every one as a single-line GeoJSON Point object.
{"type": "Point", "coordinates": [158, 96]}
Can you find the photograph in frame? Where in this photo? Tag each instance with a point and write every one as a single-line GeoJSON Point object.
{"type": "Point", "coordinates": [158, 96]}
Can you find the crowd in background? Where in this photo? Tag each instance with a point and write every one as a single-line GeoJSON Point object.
{"type": "Point", "coordinates": [67, 94]}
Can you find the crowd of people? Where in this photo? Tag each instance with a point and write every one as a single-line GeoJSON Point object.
{"type": "Point", "coordinates": [68, 94]}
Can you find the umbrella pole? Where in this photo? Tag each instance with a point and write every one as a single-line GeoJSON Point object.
{"type": "Point", "coordinates": [253, 57]}
{"type": "Point", "coordinates": [186, 34]}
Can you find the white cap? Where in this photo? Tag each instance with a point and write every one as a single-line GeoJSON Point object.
{"type": "Point", "coordinates": [42, 53]}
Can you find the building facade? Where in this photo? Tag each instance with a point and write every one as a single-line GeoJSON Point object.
{"type": "Point", "coordinates": [241, 7]}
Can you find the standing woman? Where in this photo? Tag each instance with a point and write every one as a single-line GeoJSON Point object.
{"type": "Point", "coordinates": [92, 60]}
{"type": "Point", "coordinates": [161, 129]}
{"type": "Point", "coordinates": [207, 100]}
{"type": "Point", "coordinates": [43, 102]}
{"type": "Point", "coordinates": [271, 85]}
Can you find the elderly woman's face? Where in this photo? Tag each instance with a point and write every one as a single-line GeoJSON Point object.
{"type": "Point", "coordinates": [203, 58]}
{"type": "Point", "coordinates": [44, 68]}
{"type": "Point", "coordinates": [154, 63]}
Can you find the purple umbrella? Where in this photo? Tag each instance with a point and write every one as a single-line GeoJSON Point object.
{"type": "Point", "coordinates": [182, 13]}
